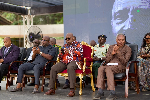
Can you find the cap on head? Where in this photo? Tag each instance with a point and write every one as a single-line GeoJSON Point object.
{"type": "Point", "coordinates": [103, 36]}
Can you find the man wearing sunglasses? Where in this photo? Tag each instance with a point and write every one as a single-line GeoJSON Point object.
{"type": "Point", "coordinates": [29, 54]}
{"type": "Point", "coordinates": [40, 56]}
{"type": "Point", "coordinates": [70, 57]}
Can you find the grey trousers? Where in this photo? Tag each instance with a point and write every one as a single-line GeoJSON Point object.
{"type": "Point", "coordinates": [30, 66]}
{"type": "Point", "coordinates": [58, 68]}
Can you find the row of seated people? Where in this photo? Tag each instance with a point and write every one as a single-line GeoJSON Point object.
{"type": "Point", "coordinates": [65, 63]}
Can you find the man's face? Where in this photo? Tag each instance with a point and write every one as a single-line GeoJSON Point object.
{"type": "Point", "coordinates": [101, 40]}
{"type": "Point", "coordinates": [36, 43]}
{"type": "Point", "coordinates": [147, 39]}
{"type": "Point", "coordinates": [45, 41]}
{"type": "Point", "coordinates": [69, 39]}
{"type": "Point", "coordinates": [7, 42]}
{"type": "Point", "coordinates": [121, 20]}
{"type": "Point", "coordinates": [131, 17]}
{"type": "Point", "coordinates": [120, 40]}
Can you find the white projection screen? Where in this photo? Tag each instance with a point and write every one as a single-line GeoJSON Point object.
{"type": "Point", "coordinates": [87, 19]}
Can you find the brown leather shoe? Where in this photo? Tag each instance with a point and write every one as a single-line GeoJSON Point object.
{"type": "Point", "coordinates": [50, 92]}
{"type": "Point", "coordinates": [71, 93]}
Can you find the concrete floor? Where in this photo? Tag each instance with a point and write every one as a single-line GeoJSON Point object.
{"type": "Point", "coordinates": [88, 94]}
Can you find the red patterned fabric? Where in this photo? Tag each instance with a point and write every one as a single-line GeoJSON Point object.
{"type": "Point", "coordinates": [86, 54]}
{"type": "Point", "coordinates": [79, 71]}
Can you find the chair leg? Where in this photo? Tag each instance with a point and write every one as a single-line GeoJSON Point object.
{"type": "Point", "coordinates": [43, 83]}
{"type": "Point", "coordinates": [126, 83]}
{"type": "Point", "coordinates": [137, 85]}
{"type": "Point", "coordinates": [80, 76]}
{"type": "Point", "coordinates": [92, 83]}
{"type": "Point", "coordinates": [8, 81]}
{"type": "Point", "coordinates": [23, 81]}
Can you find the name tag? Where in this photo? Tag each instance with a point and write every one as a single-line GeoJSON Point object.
{"type": "Point", "coordinates": [112, 64]}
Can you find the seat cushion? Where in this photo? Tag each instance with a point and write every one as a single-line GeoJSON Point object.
{"type": "Point", "coordinates": [119, 76]}
{"type": "Point", "coordinates": [79, 71]}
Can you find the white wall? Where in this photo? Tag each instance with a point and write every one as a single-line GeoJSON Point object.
{"type": "Point", "coordinates": [15, 31]}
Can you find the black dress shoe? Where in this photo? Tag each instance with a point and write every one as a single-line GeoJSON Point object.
{"type": "Point", "coordinates": [111, 97]}
{"type": "Point", "coordinates": [98, 96]}
{"type": "Point", "coordinates": [30, 84]}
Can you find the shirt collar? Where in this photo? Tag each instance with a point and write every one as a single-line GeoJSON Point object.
{"type": "Point", "coordinates": [9, 47]}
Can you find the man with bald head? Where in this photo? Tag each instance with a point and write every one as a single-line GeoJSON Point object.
{"type": "Point", "coordinates": [40, 56]}
{"type": "Point", "coordinates": [70, 58]}
{"type": "Point", "coordinates": [53, 43]}
{"type": "Point", "coordinates": [115, 62]}
{"type": "Point", "coordinates": [8, 53]}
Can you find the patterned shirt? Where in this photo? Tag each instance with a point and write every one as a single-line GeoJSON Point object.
{"type": "Point", "coordinates": [75, 53]}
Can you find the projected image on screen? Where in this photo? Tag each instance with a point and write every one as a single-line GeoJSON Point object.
{"type": "Point", "coordinates": [127, 14]}
{"type": "Point", "coordinates": [108, 17]}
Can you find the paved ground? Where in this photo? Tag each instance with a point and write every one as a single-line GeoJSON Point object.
{"type": "Point", "coordinates": [88, 94]}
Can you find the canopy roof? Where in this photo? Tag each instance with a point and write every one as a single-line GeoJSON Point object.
{"type": "Point", "coordinates": [38, 7]}
{"type": "Point", "coordinates": [4, 21]}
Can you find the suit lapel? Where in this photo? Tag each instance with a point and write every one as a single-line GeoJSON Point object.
{"type": "Point", "coordinates": [3, 51]}
{"type": "Point", "coordinates": [9, 51]}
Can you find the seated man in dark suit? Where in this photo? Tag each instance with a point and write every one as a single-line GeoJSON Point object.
{"type": "Point", "coordinates": [8, 53]}
{"type": "Point", "coordinates": [29, 54]}
{"type": "Point", "coordinates": [40, 56]}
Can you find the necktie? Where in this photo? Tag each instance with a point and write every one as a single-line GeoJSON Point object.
{"type": "Point", "coordinates": [5, 51]}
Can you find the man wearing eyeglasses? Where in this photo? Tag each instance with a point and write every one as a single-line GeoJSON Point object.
{"type": "Point", "coordinates": [100, 51]}
{"type": "Point", "coordinates": [70, 57]}
{"type": "Point", "coordinates": [40, 56]}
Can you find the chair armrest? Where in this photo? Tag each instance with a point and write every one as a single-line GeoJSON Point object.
{"type": "Point", "coordinates": [44, 69]}
{"type": "Point", "coordinates": [135, 65]}
{"type": "Point", "coordinates": [89, 59]}
{"type": "Point", "coordinates": [9, 68]}
{"type": "Point", "coordinates": [129, 63]}
{"type": "Point", "coordinates": [84, 65]}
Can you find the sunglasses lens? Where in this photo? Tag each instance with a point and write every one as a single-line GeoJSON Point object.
{"type": "Point", "coordinates": [67, 39]}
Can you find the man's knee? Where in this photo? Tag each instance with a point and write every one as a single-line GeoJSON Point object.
{"type": "Point", "coordinates": [21, 67]}
{"type": "Point", "coordinates": [38, 67]}
{"type": "Point", "coordinates": [101, 68]}
{"type": "Point", "coordinates": [70, 68]}
{"type": "Point", "coordinates": [108, 70]}
{"type": "Point", "coordinates": [53, 68]}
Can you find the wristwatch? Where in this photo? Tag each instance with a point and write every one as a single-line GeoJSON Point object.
{"type": "Point", "coordinates": [40, 53]}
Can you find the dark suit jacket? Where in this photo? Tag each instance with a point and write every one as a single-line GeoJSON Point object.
{"type": "Point", "coordinates": [12, 54]}
{"type": "Point", "coordinates": [28, 52]}
{"type": "Point", "coordinates": [121, 58]}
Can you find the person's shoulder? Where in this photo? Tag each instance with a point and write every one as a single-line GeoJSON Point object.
{"type": "Point", "coordinates": [107, 45]}
{"type": "Point", "coordinates": [110, 46]}
{"type": "Point", "coordinates": [97, 45]}
{"type": "Point", "coordinates": [14, 46]}
{"type": "Point", "coordinates": [77, 42]}
{"type": "Point", "coordinates": [127, 47]}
